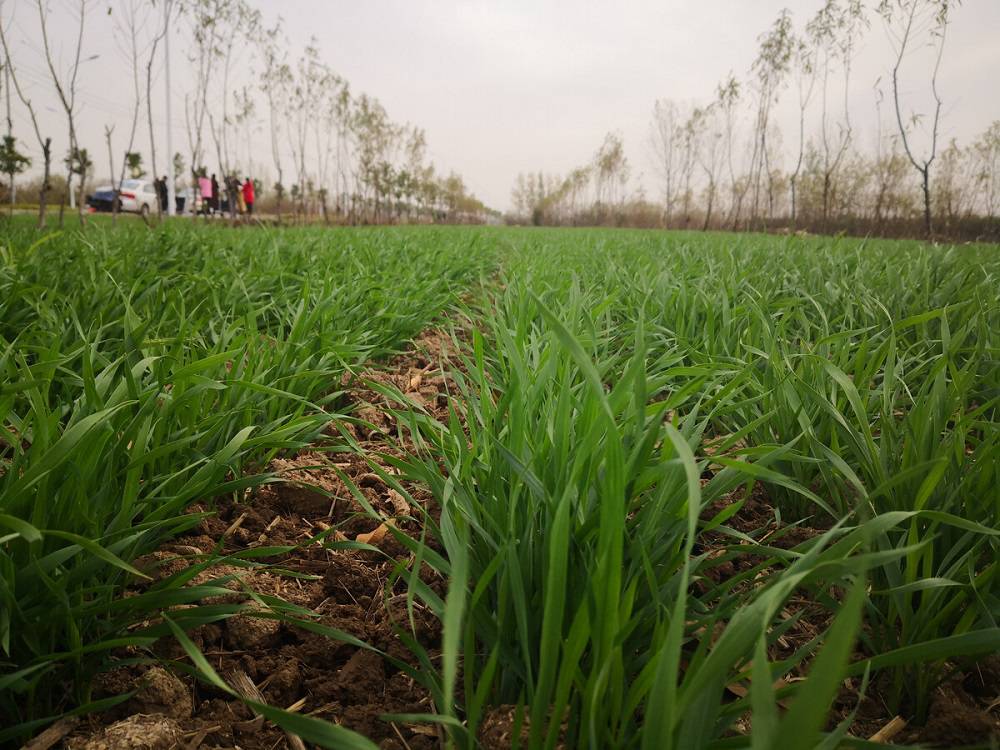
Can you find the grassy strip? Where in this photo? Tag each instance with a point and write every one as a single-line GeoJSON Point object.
{"type": "Point", "coordinates": [141, 371]}
{"type": "Point", "coordinates": [570, 501]}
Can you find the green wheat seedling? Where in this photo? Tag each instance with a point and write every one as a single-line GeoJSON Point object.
{"type": "Point", "coordinates": [143, 371]}
{"type": "Point", "coordinates": [620, 400]}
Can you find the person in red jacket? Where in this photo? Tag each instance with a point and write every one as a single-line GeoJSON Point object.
{"type": "Point", "coordinates": [248, 195]}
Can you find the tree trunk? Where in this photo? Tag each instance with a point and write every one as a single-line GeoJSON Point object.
{"type": "Point", "coordinates": [79, 202]}
{"type": "Point", "coordinates": [770, 196]}
{"type": "Point", "coordinates": [794, 180]}
{"type": "Point", "coordinates": [279, 192]}
{"type": "Point", "coordinates": [926, 175]}
{"type": "Point", "coordinates": [152, 137]}
{"type": "Point", "coordinates": [708, 210]}
{"type": "Point", "coordinates": [826, 201]}
{"type": "Point", "coordinates": [114, 190]}
{"type": "Point", "coordinates": [879, 202]}
{"type": "Point", "coordinates": [737, 210]}
{"type": "Point", "coordinates": [62, 200]}
{"type": "Point", "coordinates": [44, 191]}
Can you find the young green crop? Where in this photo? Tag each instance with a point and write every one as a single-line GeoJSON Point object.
{"type": "Point", "coordinates": [142, 371]}
{"type": "Point", "coordinates": [570, 504]}
{"type": "Point", "coordinates": [618, 397]}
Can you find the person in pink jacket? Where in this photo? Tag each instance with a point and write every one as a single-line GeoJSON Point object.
{"type": "Point", "coordinates": [205, 190]}
{"type": "Point", "coordinates": [248, 195]}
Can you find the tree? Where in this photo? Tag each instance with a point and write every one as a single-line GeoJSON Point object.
{"type": "Point", "coordinates": [66, 90]}
{"type": "Point", "coordinates": [133, 163]}
{"type": "Point", "coordinates": [375, 137]}
{"type": "Point", "coordinates": [343, 107]}
{"type": "Point", "coordinates": [157, 38]}
{"type": "Point", "coordinates": [326, 131]}
{"type": "Point", "coordinates": [727, 98]}
{"type": "Point", "coordinates": [78, 163]}
{"type": "Point", "coordinates": [241, 25]}
{"type": "Point", "coordinates": [955, 187]}
{"type": "Point", "coordinates": [130, 24]}
{"type": "Point", "coordinates": [531, 197]}
{"type": "Point", "coordinates": [832, 33]}
{"type": "Point", "coordinates": [214, 24]}
{"type": "Point", "coordinates": [275, 83]}
{"type": "Point", "coordinates": [805, 67]}
{"type": "Point", "coordinates": [44, 142]}
{"type": "Point", "coordinates": [244, 118]}
{"type": "Point", "coordinates": [889, 169]}
{"type": "Point", "coordinates": [610, 172]}
{"type": "Point", "coordinates": [905, 21]}
{"type": "Point", "coordinates": [12, 163]}
{"type": "Point", "coordinates": [665, 134]}
{"type": "Point", "coordinates": [115, 189]}
{"type": "Point", "coordinates": [178, 165]}
{"type": "Point", "coordinates": [303, 111]}
{"type": "Point", "coordinates": [710, 156]}
{"type": "Point", "coordinates": [234, 21]}
{"type": "Point", "coordinates": [279, 192]}
{"type": "Point", "coordinates": [690, 155]}
{"type": "Point", "coordinates": [769, 70]}
{"type": "Point", "coordinates": [415, 153]}
{"type": "Point", "coordinates": [986, 152]}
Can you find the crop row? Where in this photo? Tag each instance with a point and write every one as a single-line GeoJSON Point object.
{"type": "Point", "coordinates": [611, 422]}
{"type": "Point", "coordinates": [142, 371]}
{"type": "Point", "coordinates": [621, 400]}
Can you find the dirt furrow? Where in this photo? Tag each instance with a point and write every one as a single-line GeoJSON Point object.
{"type": "Point", "coordinates": [352, 590]}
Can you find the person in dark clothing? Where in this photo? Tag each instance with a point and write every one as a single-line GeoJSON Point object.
{"type": "Point", "coordinates": [161, 190]}
{"type": "Point", "coordinates": [214, 204]}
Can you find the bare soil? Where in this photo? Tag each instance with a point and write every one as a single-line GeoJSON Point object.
{"type": "Point", "coordinates": [352, 590]}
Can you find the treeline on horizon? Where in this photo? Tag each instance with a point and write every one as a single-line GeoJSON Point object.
{"type": "Point", "coordinates": [725, 164]}
{"type": "Point", "coordinates": [334, 153]}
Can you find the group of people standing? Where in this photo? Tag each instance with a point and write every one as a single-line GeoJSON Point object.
{"type": "Point", "coordinates": [212, 199]}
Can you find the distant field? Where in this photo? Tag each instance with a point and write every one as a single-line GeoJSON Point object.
{"type": "Point", "coordinates": [672, 489]}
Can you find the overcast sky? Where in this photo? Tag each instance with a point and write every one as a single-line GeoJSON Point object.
{"type": "Point", "coordinates": [519, 85]}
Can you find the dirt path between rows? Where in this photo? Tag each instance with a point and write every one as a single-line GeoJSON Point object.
{"type": "Point", "coordinates": [349, 589]}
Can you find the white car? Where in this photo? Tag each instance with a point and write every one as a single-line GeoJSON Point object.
{"type": "Point", "coordinates": [138, 197]}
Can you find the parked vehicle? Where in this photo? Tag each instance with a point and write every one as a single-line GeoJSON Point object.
{"type": "Point", "coordinates": [102, 199]}
{"type": "Point", "coordinates": [135, 196]}
{"type": "Point", "coordinates": [138, 196]}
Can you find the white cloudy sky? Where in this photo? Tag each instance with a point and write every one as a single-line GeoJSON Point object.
{"type": "Point", "coordinates": [519, 85]}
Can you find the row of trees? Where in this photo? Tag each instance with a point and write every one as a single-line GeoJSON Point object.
{"type": "Point", "coordinates": [595, 193]}
{"type": "Point", "coordinates": [334, 153]}
{"type": "Point", "coordinates": [726, 163]}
